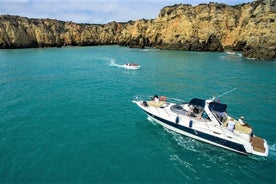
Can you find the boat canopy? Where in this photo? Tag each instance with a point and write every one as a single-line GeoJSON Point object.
{"type": "Point", "coordinates": [214, 106]}
{"type": "Point", "coordinates": [219, 107]}
{"type": "Point", "coordinates": [198, 102]}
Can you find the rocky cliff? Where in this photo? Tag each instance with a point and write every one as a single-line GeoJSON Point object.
{"type": "Point", "coordinates": [249, 27]}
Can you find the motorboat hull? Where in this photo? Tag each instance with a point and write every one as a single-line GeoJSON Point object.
{"type": "Point", "coordinates": [198, 135]}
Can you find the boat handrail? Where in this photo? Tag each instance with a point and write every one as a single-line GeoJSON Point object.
{"type": "Point", "coordinates": [148, 97]}
{"type": "Point", "coordinates": [225, 93]}
{"type": "Point", "coordinates": [141, 97]}
{"type": "Point", "coordinates": [176, 100]}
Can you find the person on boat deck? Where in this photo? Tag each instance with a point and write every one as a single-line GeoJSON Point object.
{"type": "Point", "coordinates": [221, 116]}
{"type": "Point", "coordinates": [241, 120]}
{"type": "Point", "coordinates": [204, 115]}
{"type": "Point", "coordinates": [231, 125]}
{"type": "Point", "coordinates": [155, 98]}
{"type": "Point", "coordinates": [191, 108]}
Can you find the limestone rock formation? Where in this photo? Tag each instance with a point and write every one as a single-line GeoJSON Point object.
{"type": "Point", "coordinates": [249, 27]}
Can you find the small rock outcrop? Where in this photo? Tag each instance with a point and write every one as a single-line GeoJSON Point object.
{"type": "Point", "coordinates": [249, 27]}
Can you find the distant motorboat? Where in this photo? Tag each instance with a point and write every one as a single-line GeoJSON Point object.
{"type": "Point", "coordinates": [231, 52]}
{"type": "Point", "coordinates": [205, 120]}
{"type": "Point", "coordinates": [131, 66]}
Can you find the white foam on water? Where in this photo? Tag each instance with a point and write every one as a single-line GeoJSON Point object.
{"type": "Point", "coordinates": [272, 150]}
{"type": "Point", "coordinates": [113, 63]}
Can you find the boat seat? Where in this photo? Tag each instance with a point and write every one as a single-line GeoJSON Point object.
{"type": "Point", "coordinates": [243, 128]}
{"type": "Point", "coordinates": [240, 128]}
{"type": "Point", "coordinates": [178, 109]}
{"type": "Point", "coordinates": [155, 104]}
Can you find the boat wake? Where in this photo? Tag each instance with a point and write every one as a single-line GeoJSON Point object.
{"type": "Point", "coordinates": [113, 63]}
{"type": "Point", "coordinates": [152, 121]}
{"type": "Point", "coordinates": [178, 161]}
{"type": "Point", "coordinates": [185, 142]}
{"type": "Point", "coordinates": [272, 150]}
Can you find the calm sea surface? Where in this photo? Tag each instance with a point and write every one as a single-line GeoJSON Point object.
{"type": "Point", "coordinates": [66, 116]}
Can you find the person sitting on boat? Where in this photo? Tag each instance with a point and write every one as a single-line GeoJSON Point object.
{"type": "Point", "coordinates": [241, 120]}
{"type": "Point", "coordinates": [222, 116]}
{"type": "Point", "coordinates": [205, 115]}
{"type": "Point", "coordinates": [196, 110]}
{"type": "Point", "coordinates": [231, 125]}
{"type": "Point", "coordinates": [155, 98]}
{"type": "Point", "coordinates": [191, 108]}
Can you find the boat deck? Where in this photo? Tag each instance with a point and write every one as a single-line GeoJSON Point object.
{"type": "Point", "coordinates": [246, 129]}
{"type": "Point", "coordinates": [156, 104]}
{"type": "Point", "coordinates": [243, 128]}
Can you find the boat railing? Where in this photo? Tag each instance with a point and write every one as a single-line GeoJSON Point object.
{"type": "Point", "coordinates": [168, 99]}
{"type": "Point", "coordinates": [176, 100]}
{"type": "Point", "coordinates": [141, 98]}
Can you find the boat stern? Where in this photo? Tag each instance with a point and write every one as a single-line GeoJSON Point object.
{"type": "Point", "coordinates": [259, 146]}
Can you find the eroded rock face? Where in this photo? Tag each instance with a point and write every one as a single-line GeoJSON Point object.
{"type": "Point", "coordinates": [250, 28]}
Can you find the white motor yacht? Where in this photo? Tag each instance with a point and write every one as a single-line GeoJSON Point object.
{"type": "Point", "coordinates": [204, 120]}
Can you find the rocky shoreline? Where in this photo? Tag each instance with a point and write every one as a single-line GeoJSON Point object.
{"type": "Point", "coordinates": [250, 28]}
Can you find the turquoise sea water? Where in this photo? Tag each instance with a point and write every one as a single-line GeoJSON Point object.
{"type": "Point", "coordinates": [66, 116]}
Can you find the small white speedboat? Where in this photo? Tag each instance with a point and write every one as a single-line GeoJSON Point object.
{"type": "Point", "coordinates": [131, 66]}
{"type": "Point", "coordinates": [231, 52]}
{"type": "Point", "coordinates": [204, 120]}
